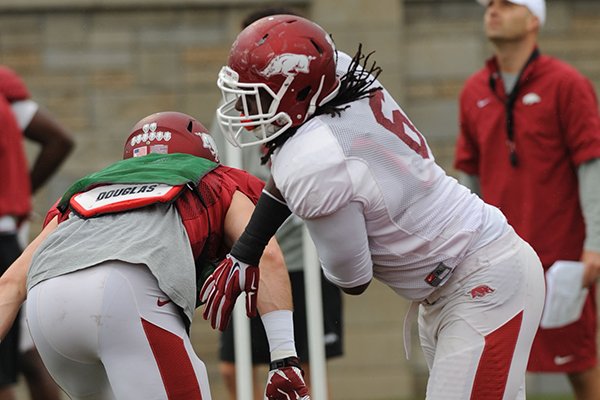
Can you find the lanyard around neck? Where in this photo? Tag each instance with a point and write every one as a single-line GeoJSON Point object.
{"type": "Point", "coordinates": [509, 105]}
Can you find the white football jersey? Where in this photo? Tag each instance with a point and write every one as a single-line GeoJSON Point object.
{"type": "Point", "coordinates": [415, 216]}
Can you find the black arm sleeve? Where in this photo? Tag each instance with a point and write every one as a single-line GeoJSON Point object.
{"type": "Point", "coordinates": [266, 219]}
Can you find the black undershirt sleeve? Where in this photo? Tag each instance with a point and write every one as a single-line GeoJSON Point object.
{"type": "Point", "coordinates": [266, 219]}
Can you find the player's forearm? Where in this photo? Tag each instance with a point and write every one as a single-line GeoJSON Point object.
{"type": "Point", "coordinates": [12, 295]}
{"type": "Point", "coordinates": [275, 303]}
{"type": "Point", "coordinates": [275, 290]}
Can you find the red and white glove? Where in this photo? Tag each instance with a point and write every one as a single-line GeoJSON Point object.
{"type": "Point", "coordinates": [286, 381]}
{"type": "Point", "coordinates": [222, 288]}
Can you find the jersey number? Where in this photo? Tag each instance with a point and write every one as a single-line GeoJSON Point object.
{"type": "Point", "coordinates": [397, 125]}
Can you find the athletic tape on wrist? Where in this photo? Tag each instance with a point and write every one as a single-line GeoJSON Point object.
{"type": "Point", "coordinates": [279, 329]}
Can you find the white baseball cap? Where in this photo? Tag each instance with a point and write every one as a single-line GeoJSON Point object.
{"type": "Point", "coordinates": [537, 7]}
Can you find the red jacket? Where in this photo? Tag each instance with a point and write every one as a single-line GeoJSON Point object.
{"type": "Point", "coordinates": [556, 129]}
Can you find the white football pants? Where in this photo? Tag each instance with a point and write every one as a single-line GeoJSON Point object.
{"type": "Point", "coordinates": [477, 330]}
{"type": "Point", "coordinates": [108, 332]}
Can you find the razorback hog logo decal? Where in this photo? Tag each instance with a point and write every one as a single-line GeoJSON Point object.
{"type": "Point", "coordinates": [288, 65]}
{"type": "Point", "coordinates": [481, 291]}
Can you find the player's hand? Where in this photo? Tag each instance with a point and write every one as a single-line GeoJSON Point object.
{"type": "Point", "coordinates": [286, 381]}
{"type": "Point", "coordinates": [222, 288]}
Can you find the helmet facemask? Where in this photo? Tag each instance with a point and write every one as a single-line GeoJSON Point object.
{"type": "Point", "coordinates": [266, 125]}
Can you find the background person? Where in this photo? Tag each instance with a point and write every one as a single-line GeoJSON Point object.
{"type": "Point", "coordinates": [529, 143]}
{"type": "Point", "coordinates": [22, 118]}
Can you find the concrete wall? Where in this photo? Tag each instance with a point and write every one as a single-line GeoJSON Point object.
{"type": "Point", "coordinates": [99, 66]}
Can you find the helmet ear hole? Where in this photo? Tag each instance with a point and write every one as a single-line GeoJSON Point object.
{"type": "Point", "coordinates": [303, 94]}
{"type": "Point", "coordinates": [319, 48]}
{"type": "Point", "coordinates": [262, 39]}
{"type": "Point", "coordinates": [190, 125]}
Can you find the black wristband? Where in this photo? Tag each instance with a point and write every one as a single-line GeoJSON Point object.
{"type": "Point", "coordinates": [267, 217]}
{"type": "Point", "coordinates": [285, 362]}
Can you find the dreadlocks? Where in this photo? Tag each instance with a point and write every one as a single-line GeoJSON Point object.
{"type": "Point", "coordinates": [355, 84]}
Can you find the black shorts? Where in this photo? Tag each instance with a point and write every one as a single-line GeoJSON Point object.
{"type": "Point", "coordinates": [9, 347]}
{"type": "Point", "coordinates": [332, 325]}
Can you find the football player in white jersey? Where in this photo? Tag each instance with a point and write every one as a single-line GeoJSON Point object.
{"type": "Point", "coordinates": [347, 160]}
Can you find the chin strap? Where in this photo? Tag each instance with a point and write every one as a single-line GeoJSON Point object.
{"type": "Point", "coordinates": [312, 106]}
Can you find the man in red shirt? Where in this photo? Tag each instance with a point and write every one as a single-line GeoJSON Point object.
{"type": "Point", "coordinates": [529, 144]}
{"type": "Point", "coordinates": [22, 118]}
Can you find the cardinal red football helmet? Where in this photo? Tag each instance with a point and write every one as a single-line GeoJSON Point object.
{"type": "Point", "coordinates": [170, 132]}
{"type": "Point", "coordinates": [280, 69]}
